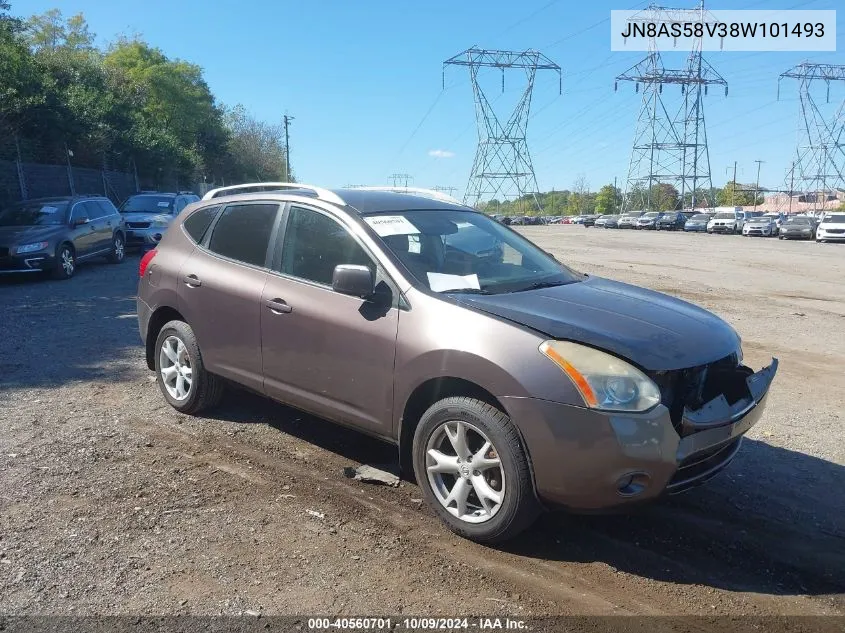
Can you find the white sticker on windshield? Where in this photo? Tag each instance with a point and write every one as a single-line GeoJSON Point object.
{"type": "Point", "coordinates": [440, 282]}
{"type": "Point", "coordinates": [414, 245]}
{"type": "Point", "coordinates": [49, 209]}
{"type": "Point", "coordinates": [386, 225]}
{"type": "Point", "coordinates": [164, 204]}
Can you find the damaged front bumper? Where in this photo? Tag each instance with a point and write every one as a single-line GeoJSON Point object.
{"type": "Point", "coordinates": [588, 460]}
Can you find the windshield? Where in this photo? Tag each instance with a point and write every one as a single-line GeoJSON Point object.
{"type": "Point", "coordinates": [834, 219]}
{"type": "Point", "coordinates": [148, 204]}
{"type": "Point", "coordinates": [464, 251]}
{"type": "Point", "coordinates": [669, 216]}
{"type": "Point", "coordinates": [700, 217]}
{"type": "Point", "coordinates": [651, 214]}
{"type": "Point", "coordinates": [34, 214]}
{"type": "Point", "coordinates": [725, 216]}
{"type": "Point", "coordinates": [798, 221]}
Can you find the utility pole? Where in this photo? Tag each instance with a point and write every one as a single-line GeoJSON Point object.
{"type": "Point", "coordinates": [287, 120]}
{"type": "Point", "coordinates": [757, 186]}
{"type": "Point", "coordinates": [733, 188]}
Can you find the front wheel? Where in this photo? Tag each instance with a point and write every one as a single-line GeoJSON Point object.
{"type": "Point", "coordinates": [473, 470]}
{"type": "Point", "coordinates": [118, 250]}
{"type": "Point", "coordinates": [180, 372]}
{"type": "Point", "coordinates": [65, 262]}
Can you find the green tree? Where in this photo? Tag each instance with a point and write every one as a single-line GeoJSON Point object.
{"type": "Point", "coordinates": [49, 31]}
{"type": "Point", "coordinates": [607, 200]}
{"type": "Point", "coordinates": [256, 149]}
{"type": "Point", "coordinates": [737, 194]}
{"type": "Point", "coordinates": [664, 197]}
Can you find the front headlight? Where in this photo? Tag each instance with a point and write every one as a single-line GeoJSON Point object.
{"type": "Point", "coordinates": [604, 381]}
{"type": "Point", "coordinates": [31, 248]}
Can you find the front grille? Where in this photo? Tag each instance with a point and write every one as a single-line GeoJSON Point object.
{"type": "Point", "coordinates": [836, 231]}
{"type": "Point", "coordinates": [4, 251]}
{"type": "Point", "coordinates": [137, 225]}
{"type": "Point", "coordinates": [700, 467]}
{"type": "Point", "coordinates": [694, 387]}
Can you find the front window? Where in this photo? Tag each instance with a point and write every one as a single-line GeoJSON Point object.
{"type": "Point", "coordinates": [725, 216]}
{"type": "Point", "coordinates": [834, 219]}
{"type": "Point", "coordinates": [651, 215]}
{"type": "Point", "coordinates": [805, 221]}
{"type": "Point", "coordinates": [34, 214]}
{"type": "Point", "coordinates": [700, 218]}
{"type": "Point", "coordinates": [148, 204]}
{"type": "Point", "coordinates": [463, 251]}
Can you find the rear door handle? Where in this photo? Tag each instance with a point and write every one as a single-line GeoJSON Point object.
{"type": "Point", "coordinates": [278, 306]}
{"type": "Point", "coordinates": [192, 280]}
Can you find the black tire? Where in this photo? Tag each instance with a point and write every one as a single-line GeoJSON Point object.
{"type": "Point", "coordinates": [206, 389]}
{"type": "Point", "coordinates": [118, 249]}
{"type": "Point", "coordinates": [780, 237]}
{"type": "Point", "coordinates": [519, 507]}
{"type": "Point", "coordinates": [64, 254]}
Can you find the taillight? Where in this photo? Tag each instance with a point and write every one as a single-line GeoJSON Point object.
{"type": "Point", "coordinates": [145, 261]}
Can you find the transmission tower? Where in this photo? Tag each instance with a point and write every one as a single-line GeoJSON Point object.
{"type": "Point", "coordinates": [447, 190]}
{"type": "Point", "coordinates": [670, 142]}
{"type": "Point", "coordinates": [401, 180]}
{"type": "Point", "coordinates": [820, 152]}
{"type": "Point", "coordinates": [502, 168]}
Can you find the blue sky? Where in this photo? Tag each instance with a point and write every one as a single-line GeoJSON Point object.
{"type": "Point", "coordinates": [363, 81]}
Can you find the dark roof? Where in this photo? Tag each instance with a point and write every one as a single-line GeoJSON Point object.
{"type": "Point", "coordinates": [364, 201]}
{"type": "Point", "coordinates": [154, 193]}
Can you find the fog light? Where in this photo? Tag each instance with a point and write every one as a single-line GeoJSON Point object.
{"type": "Point", "coordinates": [157, 237]}
{"type": "Point", "coordinates": [632, 484]}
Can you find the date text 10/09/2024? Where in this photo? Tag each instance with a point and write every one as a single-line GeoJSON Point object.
{"type": "Point", "coordinates": [417, 624]}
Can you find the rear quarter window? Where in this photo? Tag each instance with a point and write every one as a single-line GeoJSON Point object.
{"type": "Point", "coordinates": [198, 222]}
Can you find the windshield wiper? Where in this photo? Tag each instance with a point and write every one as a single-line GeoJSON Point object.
{"type": "Point", "coordinates": [537, 285]}
{"type": "Point", "coordinates": [469, 291]}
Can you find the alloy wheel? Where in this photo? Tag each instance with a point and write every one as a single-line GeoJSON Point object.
{"type": "Point", "coordinates": [119, 249]}
{"type": "Point", "coordinates": [175, 368]}
{"type": "Point", "coordinates": [67, 262]}
{"type": "Point", "coordinates": [465, 471]}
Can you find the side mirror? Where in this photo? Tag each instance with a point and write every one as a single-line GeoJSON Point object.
{"type": "Point", "coordinates": [80, 221]}
{"type": "Point", "coordinates": [356, 281]}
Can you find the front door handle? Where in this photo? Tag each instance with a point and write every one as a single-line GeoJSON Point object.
{"type": "Point", "coordinates": [192, 280]}
{"type": "Point", "coordinates": [278, 306]}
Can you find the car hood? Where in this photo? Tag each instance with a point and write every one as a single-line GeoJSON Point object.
{"type": "Point", "coordinates": [12, 235]}
{"type": "Point", "coordinates": [653, 330]}
{"type": "Point", "coordinates": [145, 217]}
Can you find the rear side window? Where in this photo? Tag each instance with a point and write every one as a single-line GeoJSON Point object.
{"type": "Point", "coordinates": [93, 209]}
{"type": "Point", "coordinates": [197, 224]}
{"type": "Point", "coordinates": [243, 232]}
{"type": "Point", "coordinates": [107, 207]}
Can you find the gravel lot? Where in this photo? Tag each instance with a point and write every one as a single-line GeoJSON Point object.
{"type": "Point", "coordinates": [113, 503]}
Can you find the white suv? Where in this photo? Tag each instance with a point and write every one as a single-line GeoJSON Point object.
{"type": "Point", "coordinates": [831, 228]}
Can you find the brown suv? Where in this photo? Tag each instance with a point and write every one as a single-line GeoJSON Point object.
{"type": "Point", "coordinates": [507, 380]}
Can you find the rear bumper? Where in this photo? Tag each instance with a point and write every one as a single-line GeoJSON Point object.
{"type": "Point", "coordinates": [593, 461]}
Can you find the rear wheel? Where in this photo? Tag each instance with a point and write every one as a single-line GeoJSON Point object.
{"type": "Point", "coordinates": [118, 249]}
{"type": "Point", "coordinates": [473, 471]}
{"type": "Point", "coordinates": [180, 373]}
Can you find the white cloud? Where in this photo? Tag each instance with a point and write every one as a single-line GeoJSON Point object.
{"type": "Point", "coordinates": [440, 153]}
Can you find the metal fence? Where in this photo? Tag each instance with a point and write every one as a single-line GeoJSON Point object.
{"type": "Point", "coordinates": [38, 168]}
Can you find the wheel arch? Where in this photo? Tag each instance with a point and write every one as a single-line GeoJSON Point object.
{"type": "Point", "coordinates": [157, 321]}
{"type": "Point", "coordinates": [432, 390]}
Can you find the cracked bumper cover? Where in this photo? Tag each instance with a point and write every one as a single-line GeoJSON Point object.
{"type": "Point", "coordinates": [580, 455]}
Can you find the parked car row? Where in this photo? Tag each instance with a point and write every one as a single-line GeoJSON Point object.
{"type": "Point", "coordinates": [53, 236]}
{"type": "Point", "coordinates": [727, 220]}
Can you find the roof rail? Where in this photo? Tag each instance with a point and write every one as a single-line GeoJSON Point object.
{"type": "Point", "coordinates": [425, 193]}
{"type": "Point", "coordinates": [322, 194]}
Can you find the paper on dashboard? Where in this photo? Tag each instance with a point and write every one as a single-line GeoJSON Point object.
{"type": "Point", "coordinates": [441, 282]}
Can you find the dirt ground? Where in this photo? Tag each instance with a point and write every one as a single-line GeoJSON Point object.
{"type": "Point", "coordinates": [112, 503]}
